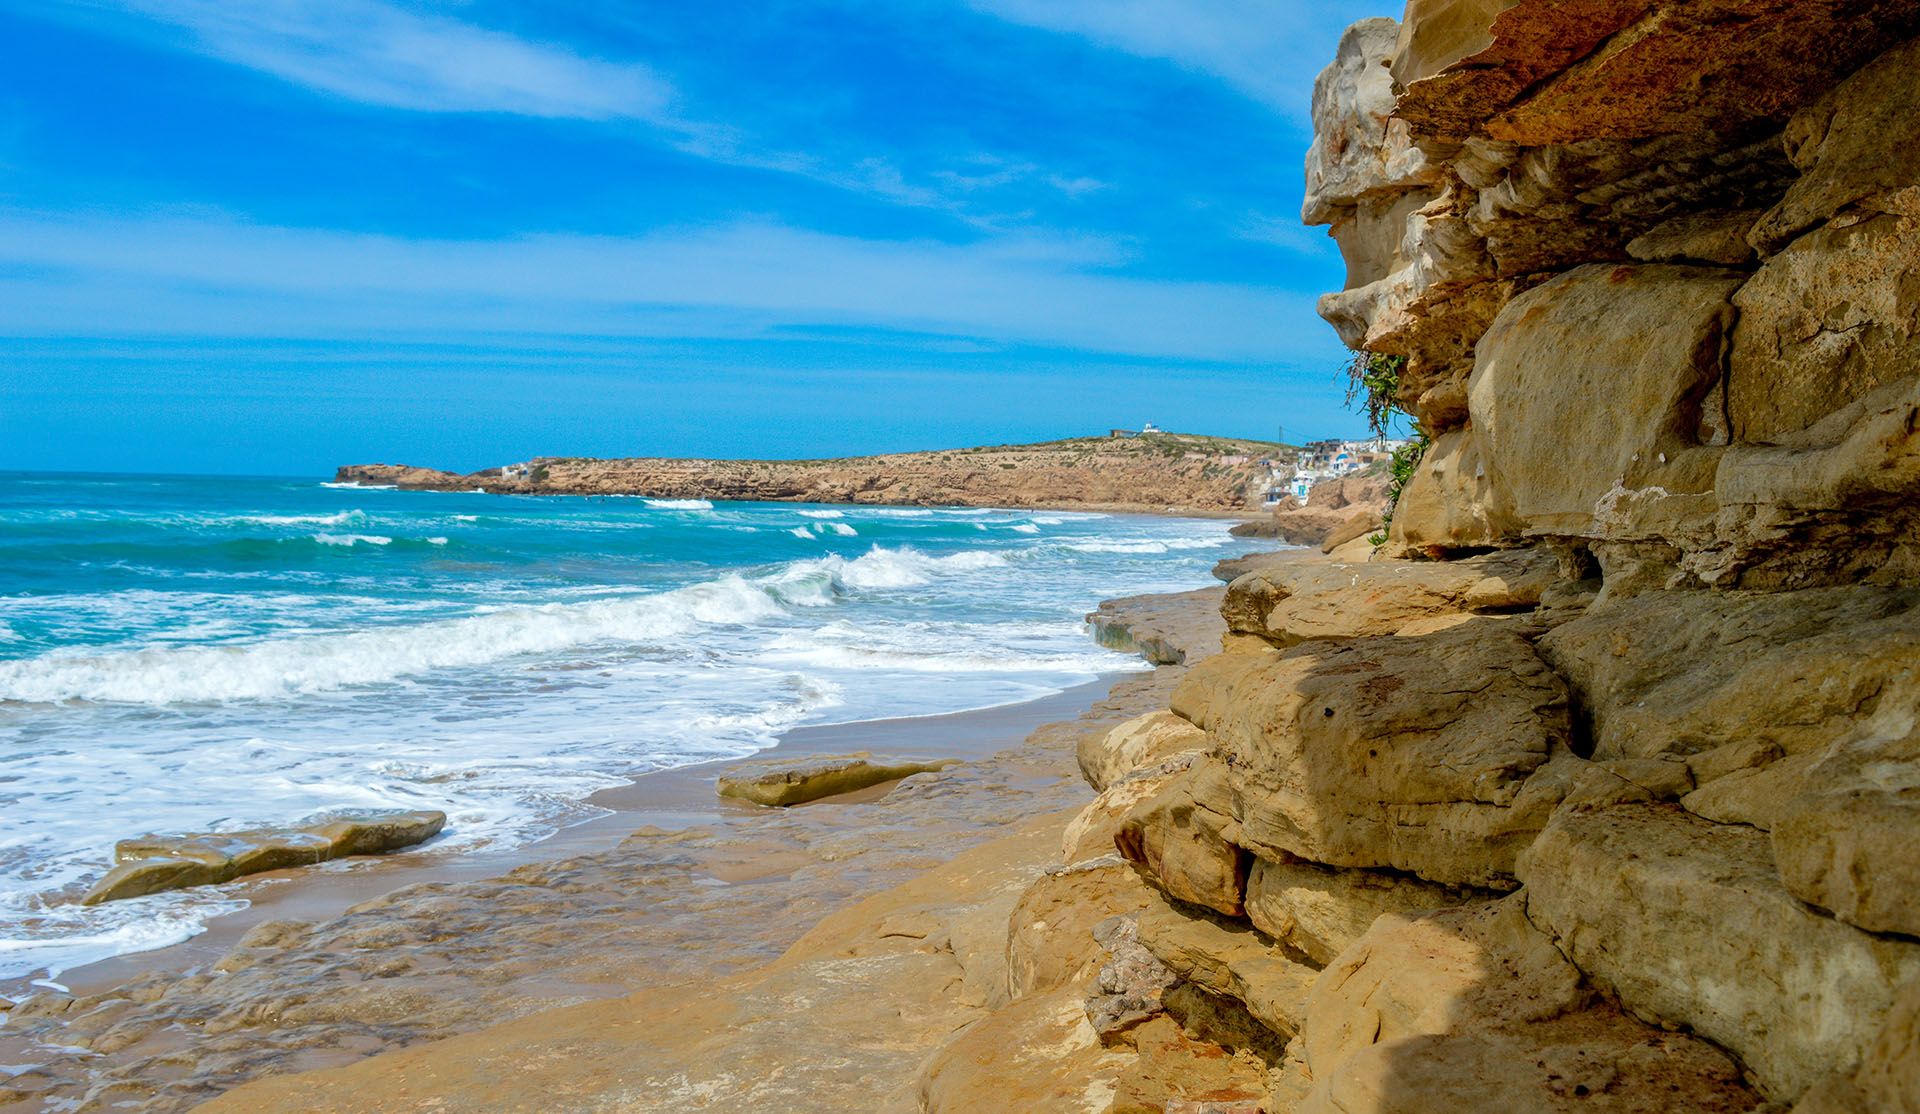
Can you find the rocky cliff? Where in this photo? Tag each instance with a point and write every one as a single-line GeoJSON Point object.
{"type": "Point", "coordinates": [1151, 471]}
{"type": "Point", "coordinates": [1599, 787]}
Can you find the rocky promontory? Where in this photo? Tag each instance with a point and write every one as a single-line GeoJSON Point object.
{"type": "Point", "coordinates": [1139, 472]}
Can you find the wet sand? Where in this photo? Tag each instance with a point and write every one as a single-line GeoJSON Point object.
{"type": "Point", "coordinates": [667, 800]}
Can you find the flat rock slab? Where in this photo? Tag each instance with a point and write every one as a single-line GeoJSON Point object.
{"type": "Point", "coordinates": [798, 783]}
{"type": "Point", "coordinates": [152, 864]}
{"type": "Point", "coordinates": [1166, 630]}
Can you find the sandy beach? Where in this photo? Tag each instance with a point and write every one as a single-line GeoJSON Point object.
{"type": "Point", "coordinates": [672, 886]}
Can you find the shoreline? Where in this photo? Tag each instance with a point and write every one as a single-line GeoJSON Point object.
{"type": "Point", "coordinates": [674, 885]}
{"type": "Point", "coordinates": [672, 799]}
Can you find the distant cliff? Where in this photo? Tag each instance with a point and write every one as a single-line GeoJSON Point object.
{"type": "Point", "coordinates": [1149, 472]}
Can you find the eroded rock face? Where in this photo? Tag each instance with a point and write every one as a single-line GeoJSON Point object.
{"type": "Point", "coordinates": [1320, 911]}
{"type": "Point", "coordinates": [1136, 744]}
{"type": "Point", "coordinates": [1679, 929]}
{"type": "Point", "coordinates": [1849, 842]}
{"type": "Point", "coordinates": [1293, 602]}
{"type": "Point", "coordinates": [1422, 754]}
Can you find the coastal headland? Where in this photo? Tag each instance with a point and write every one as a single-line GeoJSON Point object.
{"type": "Point", "coordinates": [1133, 472]}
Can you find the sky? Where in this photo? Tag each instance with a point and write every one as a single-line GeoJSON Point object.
{"type": "Point", "coordinates": [275, 236]}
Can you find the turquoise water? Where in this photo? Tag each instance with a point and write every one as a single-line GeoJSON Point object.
{"type": "Point", "coordinates": [187, 653]}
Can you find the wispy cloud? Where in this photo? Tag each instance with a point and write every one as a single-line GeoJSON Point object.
{"type": "Point", "coordinates": [210, 276]}
{"type": "Point", "coordinates": [376, 53]}
{"type": "Point", "coordinates": [1269, 50]}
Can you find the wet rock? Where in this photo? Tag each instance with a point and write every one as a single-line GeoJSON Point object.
{"type": "Point", "coordinates": [153, 864]}
{"type": "Point", "coordinates": [776, 783]}
{"type": "Point", "coordinates": [1165, 630]}
{"type": "Point", "coordinates": [1679, 929]}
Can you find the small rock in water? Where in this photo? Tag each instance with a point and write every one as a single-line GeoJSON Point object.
{"type": "Point", "coordinates": [810, 781]}
{"type": "Point", "coordinates": [152, 864]}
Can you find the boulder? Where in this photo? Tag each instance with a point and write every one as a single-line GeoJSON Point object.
{"type": "Point", "coordinates": [1428, 755]}
{"type": "Point", "coordinates": [1647, 340]}
{"type": "Point", "coordinates": [1692, 928]}
{"type": "Point", "coordinates": [1472, 1009]}
{"type": "Point", "coordinates": [1290, 603]}
{"type": "Point", "coordinates": [780, 782]}
{"type": "Point", "coordinates": [152, 864]}
{"type": "Point", "coordinates": [1140, 742]}
{"type": "Point", "coordinates": [1447, 505]}
{"type": "Point", "coordinates": [1320, 911]}
{"type": "Point", "coordinates": [1185, 840]}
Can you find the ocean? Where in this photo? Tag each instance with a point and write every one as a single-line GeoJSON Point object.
{"type": "Point", "coordinates": [183, 654]}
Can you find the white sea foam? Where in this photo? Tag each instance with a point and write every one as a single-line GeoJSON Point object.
{"type": "Point", "coordinates": [843, 529]}
{"type": "Point", "coordinates": [66, 936]}
{"type": "Point", "coordinates": [436, 541]}
{"type": "Point", "coordinates": [321, 663]}
{"type": "Point", "coordinates": [1026, 528]}
{"type": "Point", "coordinates": [466, 518]}
{"type": "Point", "coordinates": [824, 514]}
{"type": "Point", "coordinates": [343, 518]}
{"type": "Point", "coordinates": [349, 540]}
{"type": "Point", "coordinates": [679, 504]}
{"type": "Point", "coordinates": [363, 487]}
{"type": "Point", "coordinates": [801, 532]}
{"type": "Point", "coordinates": [901, 512]}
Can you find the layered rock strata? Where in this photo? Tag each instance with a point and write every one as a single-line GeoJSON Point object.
{"type": "Point", "coordinates": [1598, 788]}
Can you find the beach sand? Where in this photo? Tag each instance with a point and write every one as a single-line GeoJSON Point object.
{"type": "Point", "coordinates": [672, 887]}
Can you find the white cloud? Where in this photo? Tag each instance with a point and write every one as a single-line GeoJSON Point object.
{"type": "Point", "coordinates": [1269, 50]}
{"type": "Point", "coordinates": [376, 53]}
{"type": "Point", "coordinates": [211, 276]}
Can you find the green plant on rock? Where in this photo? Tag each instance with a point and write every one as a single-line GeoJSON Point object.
{"type": "Point", "coordinates": [1373, 386]}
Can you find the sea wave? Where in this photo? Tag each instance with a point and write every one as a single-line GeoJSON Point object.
{"type": "Point", "coordinates": [679, 504]}
{"type": "Point", "coordinates": [349, 540]}
{"type": "Point", "coordinates": [343, 518]}
{"type": "Point", "coordinates": [824, 514]}
{"type": "Point", "coordinates": [280, 667]}
{"type": "Point", "coordinates": [362, 487]}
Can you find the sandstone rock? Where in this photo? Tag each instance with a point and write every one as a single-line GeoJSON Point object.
{"type": "Point", "coordinates": [1356, 552]}
{"type": "Point", "coordinates": [1853, 145]}
{"type": "Point", "coordinates": [1230, 959]}
{"type": "Point", "coordinates": [1888, 1082]}
{"type": "Point", "coordinates": [778, 782]}
{"type": "Point", "coordinates": [1176, 1070]}
{"type": "Point", "coordinates": [1693, 929]}
{"type": "Point", "coordinates": [1437, 33]}
{"type": "Point", "coordinates": [1359, 526]}
{"type": "Point", "coordinates": [1427, 755]}
{"type": "Point", "coordinates": [1473, 1009]}
{"type": "Point", "coordinates": [1186, 842]}
{"type": "Point", "coordinates": [1136, 744]}
{"type": "Point", "coordinates": [156, 863]}
{"type": "Point", "coordinates": [1050, 940]}
{"type": "Point", "coordinates": [1711, 237]}
{"type": "Point", "coordinates": [1092, 832]}
{"type": "Point", "coordinates": [1163, 629]}
{"type": "Point", "coordinates": [1647, 339]}
{"type": "Point", "coordinates": [1287, 604]}
{"type": "Point", "coordinates": [1447, 504]}
{"type": "Point", "coordinates": [1683, 674]}
{"type": "Point", "coordinates": [1849, 842]}
{"type": "Point", "coordinates": [1037, 1054]}
{"type": "Point", "coordinates": [1826, 322]}
{"type": "Point", "coordinates": [1320, 911]}
{"type": "Point", "coordinates": [1358, 150]}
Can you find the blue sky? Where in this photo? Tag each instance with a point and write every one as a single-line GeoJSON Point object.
{"type": "Point", "coordinates": [277, 235]}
